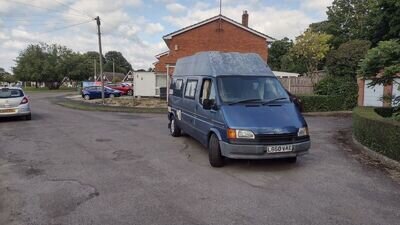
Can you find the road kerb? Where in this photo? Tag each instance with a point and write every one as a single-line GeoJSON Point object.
{"type": "Point", "coordinates": [375, 155]}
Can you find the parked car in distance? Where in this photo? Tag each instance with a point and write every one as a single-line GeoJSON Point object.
{"type": "Point", "coordinates": [14, 103]}
{"type": "Point", "coordinates": [125, 89]}
{"type": "Point", "coordinates": [93, 92]}
{"type": "Point", "coordinates": [235, 106]}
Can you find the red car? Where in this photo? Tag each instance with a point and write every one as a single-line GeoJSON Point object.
{"type": "Point", "coordinates": [124, 88]}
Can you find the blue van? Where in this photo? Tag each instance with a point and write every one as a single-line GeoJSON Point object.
{"type": "Point", "coordinates": [234, 105]}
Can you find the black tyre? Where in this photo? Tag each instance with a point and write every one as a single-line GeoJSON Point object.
{"type": "Point", "coordinates": [86, 97]}
{"type": "Point", "coordinates": [174, 129]}
{"type": "Point", "coordinates": [28, 117]}
{"type": "Point", "coordinates": [214, 152]}
{"type": "Point", "coordinates": [112, 96]}
{"type": "Point", "coordinates": [130, 92]}
{"type": "Point", "coordinates": [292, 159]}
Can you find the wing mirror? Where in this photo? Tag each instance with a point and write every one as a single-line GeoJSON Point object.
{"type": "Point", "coordinates": [209, 104]}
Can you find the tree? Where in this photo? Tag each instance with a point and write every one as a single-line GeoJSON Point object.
{"type": "Point", "coordinates": [290, 63]}
{"type": "Point", "coordinates": [311, 48]}
{"type": "Point", "coordinates": [2, 73]}
{"type": "Point", "coordinates": [387, 20]}
{"type": "Point", "coordinates": [95, 55]}
{"type": "Point", "coordinates": [120, 63]}
{"type": "Point", "coordinates": [30, 64]}
{"type": "Point", "coordinates": [81, 67]}
{"type": "Point", "coordinates": [9, 78]}
{"type": "Point", "coordinates": [277, 50]}
{"type": "Point", "coordinates": [381, 63]}
{"type": "Point", "coordinates": [46, 63]}
{"type": "Point", "coordinates": [344, 60]}
{"type": "Point", "coordinates": [349, 20]}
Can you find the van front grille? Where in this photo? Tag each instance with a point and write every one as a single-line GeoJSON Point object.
{"type": "Point", "coordinates": [272, 139]}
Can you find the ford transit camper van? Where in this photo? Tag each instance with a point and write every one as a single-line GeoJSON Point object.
{"type": "Point", "coordinates": [234, 105]}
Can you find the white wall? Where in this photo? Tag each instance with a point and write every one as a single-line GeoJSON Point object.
{"type": "Point", "coordinates": [373, 95]}
{"type": "Point", "coordinates": [145, 84]}
{"type": "Point", "coordinates": [396, 86]}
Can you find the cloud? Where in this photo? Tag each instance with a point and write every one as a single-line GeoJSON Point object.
{"type": "Point", "coordinates": [175, 8]}
{"type": "Point", "coordinates": [273, 21]}
{"type": "Point", "coordinates": [127, 26]}
{"type": "Point", "coordinates": [153, 28]}
{"type": "Point", "coordinates": [317, 6]}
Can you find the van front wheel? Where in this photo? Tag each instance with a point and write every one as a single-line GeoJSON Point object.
{"type": "Point", "coordinates": [214, 152]}
{"type": "Point", "coordinates": [174, 129]}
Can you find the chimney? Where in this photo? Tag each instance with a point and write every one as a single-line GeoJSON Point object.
{"type": "Point", "coordinates": [245, 18]}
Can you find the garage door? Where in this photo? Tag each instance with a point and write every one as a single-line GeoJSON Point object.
{"type": "Point", "coordinates": [396, 86]}
{"type": "Point", "coordinates": [373, 95]}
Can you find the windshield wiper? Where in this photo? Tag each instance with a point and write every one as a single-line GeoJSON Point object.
{"type": "Point", "coordinates": [246, 100]}
{"type": "Point", "coordinates": [273, 100]}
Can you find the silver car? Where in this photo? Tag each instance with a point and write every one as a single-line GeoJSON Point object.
{"type": "Point", "coordinates": [14, 103]}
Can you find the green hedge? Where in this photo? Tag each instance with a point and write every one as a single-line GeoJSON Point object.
{"type": "Point", "coordinates": [324, 103]}
{"type": "Point", "coordinates": [377, 133]}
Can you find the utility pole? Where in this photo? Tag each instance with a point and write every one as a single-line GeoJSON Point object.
{"type": "Point", "coordinates": [101, 59]}
{"type": "Point", "coordinates": [113, 70]}
{"type": "Point", "coordinates": [95, 72]}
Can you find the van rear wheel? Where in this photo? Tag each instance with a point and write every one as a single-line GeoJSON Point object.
{"type": "Point", "coordinates": [214, 152]}
{"type": "Point", "coordinates": [174, 129]}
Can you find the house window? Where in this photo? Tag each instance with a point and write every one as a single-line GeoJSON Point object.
{"type": "Point", "coordinates": [190, 89]}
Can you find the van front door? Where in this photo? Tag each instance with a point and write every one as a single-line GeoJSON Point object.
{"type": "Point", "coordinates": [205, 117]}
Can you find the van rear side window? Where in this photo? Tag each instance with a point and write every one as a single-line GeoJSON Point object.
{"type": "Point", "coordinates": [178, 86]}
{"type": "Point", "coordinates": [190, 89]}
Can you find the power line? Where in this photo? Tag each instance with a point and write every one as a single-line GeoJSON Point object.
{"type": "Point", "coordinates": [76, 10]}
{"type": "Point", "coordinates": [57, 29]}
{"type": "Point", "coordinates": [27, 16]}
{"type": "Point", "coordinates": [40, 7]}
{"type": "Point", "coordinates": [68, 26]}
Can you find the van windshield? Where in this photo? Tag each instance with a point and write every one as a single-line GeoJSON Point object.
{"type": "Point", "coordinates": [237, 89]}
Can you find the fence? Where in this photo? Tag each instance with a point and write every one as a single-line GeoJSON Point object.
{"type": "Point", "coordinates": [299, 85]}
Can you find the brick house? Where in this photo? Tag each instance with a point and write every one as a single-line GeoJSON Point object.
{"type": "Point", "coordinates": [218, 33]}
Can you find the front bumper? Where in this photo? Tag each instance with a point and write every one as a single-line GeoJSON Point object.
{"type": "Point", "coordinates": [235, 151]}
{"type": "Point", "coordinates": [22, 110]}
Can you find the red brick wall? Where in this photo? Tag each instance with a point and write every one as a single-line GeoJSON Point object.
{"type": "Point", "coordinates": [209, 38]}
{"type": "Point", "coordinates": [160, 67]}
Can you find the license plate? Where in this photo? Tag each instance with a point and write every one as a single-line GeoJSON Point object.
{"type": "Point", "coordinates": [279, 148]}
{"type": "Point", "coordinates": [7, 110]}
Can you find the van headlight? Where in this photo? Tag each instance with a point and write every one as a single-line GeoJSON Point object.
{"type": "Point", "coordinates": [302, 132]}
{"type": "Point", "coordinates": [240, 134]}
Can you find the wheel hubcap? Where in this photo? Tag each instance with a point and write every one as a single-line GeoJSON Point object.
{"type": "Point", "coordinates": [172, 126]}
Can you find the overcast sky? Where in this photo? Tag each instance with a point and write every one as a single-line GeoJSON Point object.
{"type": "Point", "coordinates": [136, 27]}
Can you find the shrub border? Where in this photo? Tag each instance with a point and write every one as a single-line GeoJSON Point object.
{"type": "Point", "coordinates": [376, 133]}
{"type": "Point", "coordinates": [77, 105]}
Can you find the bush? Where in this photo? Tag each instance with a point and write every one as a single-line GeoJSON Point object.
{"type": "Point", "coordinates": [323, 103]}
{"type": "Point", "coordinates": [384, 111]}
{"type": "Point", "coordinates": [385, 57]}
{"type": "Point", "coordinates": [345, 87]}
{"type": "Point", "coordinates": [377, 133]}
{"type": "Point", "coordinates": [344, 60]}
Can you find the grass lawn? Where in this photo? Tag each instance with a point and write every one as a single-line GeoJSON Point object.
{"type": "Point", "coordinates": [61, 89]}
{"type": "Point", "coordinates": [73, 104]}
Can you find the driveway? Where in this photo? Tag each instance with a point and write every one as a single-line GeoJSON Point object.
{"type": "Point", "coordinates": [77, 167]}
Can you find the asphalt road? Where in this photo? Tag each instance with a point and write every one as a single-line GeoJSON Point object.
{"type": "Point", "coordinates": [77, 167]}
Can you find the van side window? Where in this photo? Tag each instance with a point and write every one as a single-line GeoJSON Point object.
{"type": "Point", "coordinates": [207, 91]}
{"type": "Point", "coordinates": [190, 89]}
{"type": "Point", "coordinates": [178, 88]}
